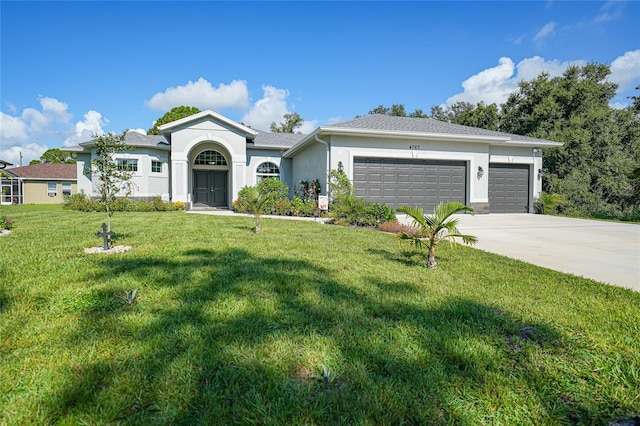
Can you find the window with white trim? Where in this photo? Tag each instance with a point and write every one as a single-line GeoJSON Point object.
{"type": "Point", "coordinates": [156, 166]}
{"type": "Point", "coordinates": [210, 158]}
{"type": "Point", "coordinates": [66, 188]}
{"type": "Point", "coordinates": [267, 170]}
{"type": "Point", "coordinates": [52, 189]}
{"type": "Point", "coordinates": [127, 164]}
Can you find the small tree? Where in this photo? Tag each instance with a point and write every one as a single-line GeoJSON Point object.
{"type": "Point", "coordinates": [436, 228]}
{"type": "Point", "coordinates": [109, 174]}
{"type": "Point", "coordinates": [256, 201]}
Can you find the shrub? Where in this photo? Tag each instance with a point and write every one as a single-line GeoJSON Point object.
{"type": "Point", "coordinates": [356, 211]}
{"type": "Point", "coordinates": [84, 203]}
{"type": "Point", "coordinates": [6, 223]}
{"type": "Point", "coordinates": [179, 205]}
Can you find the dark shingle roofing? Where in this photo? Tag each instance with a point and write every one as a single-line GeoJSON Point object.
{"type": "Point", "coordinates": [277, 140]}
{"type": "Point", "coordinates": [423, 125]}
{"type": "Point", "coordinates": [46, 171]}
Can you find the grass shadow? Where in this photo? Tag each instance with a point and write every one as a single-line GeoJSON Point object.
{"type": "Point", "coordinates": [239, 336]}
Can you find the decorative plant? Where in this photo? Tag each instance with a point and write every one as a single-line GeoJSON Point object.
{"type": "Point", "coordinates": [129, 297]}
{"type": "Point", "coordinates": [6, 222]}
{"type": "Point", "coordinates": [325, 376]}
{"type": "Point", "coordinates": [436, 228]}
{"type": "Point", "coordinates": [256, 201]}
{"type": "Point", "coordinates": [309, 191]}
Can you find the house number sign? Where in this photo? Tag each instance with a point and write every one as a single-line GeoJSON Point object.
{"type": "Point", "coordinates": [414, 147]}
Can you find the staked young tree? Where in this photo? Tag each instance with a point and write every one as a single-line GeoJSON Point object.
{"type": "Point", "coordinates": [109, 175]}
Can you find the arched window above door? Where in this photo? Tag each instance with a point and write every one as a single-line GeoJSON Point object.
{"type": "Point", "coordinates": [210, 158]}
{"type": "Point", "coordinates": [267, 170]}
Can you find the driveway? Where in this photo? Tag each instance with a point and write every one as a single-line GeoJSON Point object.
{"type": "Point", "coordinates": [604, 251]}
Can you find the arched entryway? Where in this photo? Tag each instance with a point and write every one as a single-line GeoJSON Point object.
{"type": "Point", "coordinates": [210, 187]}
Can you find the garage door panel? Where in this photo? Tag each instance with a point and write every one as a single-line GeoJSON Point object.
{"type": "Point", "coordinates": [421, 183]}
{"type": "Point", "coordinates": [509, 188]}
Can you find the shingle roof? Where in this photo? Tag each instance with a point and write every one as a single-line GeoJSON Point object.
{"type": "Point", "coordinates": [46, 171]}
{"type": "Point", "coordinates": [277, 140]}
{"type": "Point", "coordinates": [134, 138]}
{"type": "Point", "coordinates": [423, 125]}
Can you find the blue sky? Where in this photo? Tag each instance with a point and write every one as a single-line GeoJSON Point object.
{"type": "Point", "coordinates": [70, 69]}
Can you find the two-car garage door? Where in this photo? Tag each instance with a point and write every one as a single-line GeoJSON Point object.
{"type": "Point", "coordinates": [407, 182]}
{"type": "Point", "coordinates": [424, 183]}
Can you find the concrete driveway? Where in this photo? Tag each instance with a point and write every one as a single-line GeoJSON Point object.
{"type": "Point", "coordinates": [604, 251]}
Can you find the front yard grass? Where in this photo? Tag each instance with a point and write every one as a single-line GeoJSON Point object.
{"type": "Point", "coordinates": [230, 327]}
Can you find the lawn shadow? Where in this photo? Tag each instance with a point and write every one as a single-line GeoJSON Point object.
{"type": "Point", "coordinates": [238, 335]}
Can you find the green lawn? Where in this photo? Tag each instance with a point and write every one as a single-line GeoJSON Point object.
{"type": "Point", "coordinates": [232, 327]}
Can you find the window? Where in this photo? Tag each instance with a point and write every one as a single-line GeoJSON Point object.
{"type": "Point", "coordinates": [127, 165]}
{"type": "Point", "coordinates": [156, 166]}
{"type": "Point", "coordinates": [211, 158]}
{"type": "Point", "coordinates": [52, 189]}
{"type": "Point", "coordinates": [267, 170]}
{"type": "Point", "coordinates": [66, 188]}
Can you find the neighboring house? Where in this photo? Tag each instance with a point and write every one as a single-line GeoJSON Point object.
{"type": "Point", "coordinates": [44, 183]}
{"type": "Point", "coordinates": [205, 159]}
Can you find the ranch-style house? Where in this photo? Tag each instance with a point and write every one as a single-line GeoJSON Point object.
{"type": "Point", "coordinates": [205, 159]}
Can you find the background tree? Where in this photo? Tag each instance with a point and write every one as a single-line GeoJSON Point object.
{"type": "Point", "coordinates": [289, 124]}
{"type": "Point", "coordinates": [109, 175]}
{"type": "Point", "coordinates": [54, 155]}
{"type": "Point", "coordinates": [465, 113]}
{"type": "Point", "coordinates": [397, 110]}
{"type": "Point", "coordinates": [593, 170]}
{"type": "Point", "coordinates": [174, 114]}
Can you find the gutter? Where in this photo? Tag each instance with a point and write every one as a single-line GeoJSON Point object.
{"type": "Point", "coordinates": [328, 167]}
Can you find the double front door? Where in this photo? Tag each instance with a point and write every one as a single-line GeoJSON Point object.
{"type": "Point", "coordinates": [210, 187]}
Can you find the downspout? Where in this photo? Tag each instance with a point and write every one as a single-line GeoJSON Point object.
{"type": "Point", "coordinates": [328, 177]}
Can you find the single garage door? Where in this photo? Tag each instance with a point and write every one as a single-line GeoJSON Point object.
{"type": "Point", "coordinates": [405, 182]}
{"type": "Point", "coordinates": [509, 188]}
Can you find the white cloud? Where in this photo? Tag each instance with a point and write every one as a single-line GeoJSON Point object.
{"type": "Point", "coordinates": [141, 131]}
{"type": "Point", "coordinates": [494, 85]}
{"type": "Point", "coordinates": [308, 127]}
{"type": "Point", "coordinates": [611, 10]}
{"type": "Point", "coordinates": [203, 95]}
{"type": "Point", "coordinates": [12, 129]}
{"type": "Point", "coordinates": [84, 129]}
{"type": "Point", "coordinates": [33, 130]}
{"type": "Point", "coordinates": [271, 108]}
{"type": "Point", "coordinates": [30, 151]}
{"type": "Point", "coordinates": [625, 70]}
{"type": "Point", "coordinates": [545, 31]}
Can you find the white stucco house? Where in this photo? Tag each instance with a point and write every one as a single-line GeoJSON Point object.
{"type": "Point", "coordinates": [205, 159]}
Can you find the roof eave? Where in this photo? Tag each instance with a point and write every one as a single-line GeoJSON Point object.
{"type": "Point", "coordinates": [491, 140]}
{"type": "Point", "coordinates": [165, 128]}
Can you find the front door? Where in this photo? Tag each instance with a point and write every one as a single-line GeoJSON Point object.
{"type": "Point", "coordinates": [210, 188]}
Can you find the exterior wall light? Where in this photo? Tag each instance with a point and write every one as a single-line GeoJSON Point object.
{"type": "Point", "coordinates": [340, 167]}
{"type": "Point", "coordinates": [480, 172]}
{"type": "Point", "coordinates": [540, 173]}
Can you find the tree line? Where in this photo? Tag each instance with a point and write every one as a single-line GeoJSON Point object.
{"type": "Point", "coordinates": [596, 173]}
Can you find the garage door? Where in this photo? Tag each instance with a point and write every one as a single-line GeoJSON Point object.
{"type": "Point", "coordinates": [399, 182]}
{"type": "Point", "coordinates": [509, 188]}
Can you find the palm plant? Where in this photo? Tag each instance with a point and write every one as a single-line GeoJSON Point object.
{"type": "Point", "coordinates": [436, 227]}
{"type": "Point", "coordinates": [256, 201]}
